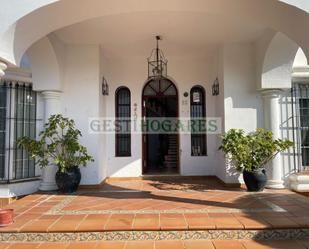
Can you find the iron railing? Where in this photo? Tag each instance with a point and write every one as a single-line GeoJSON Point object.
{"type": "Point", "coordinates": [300, 114]}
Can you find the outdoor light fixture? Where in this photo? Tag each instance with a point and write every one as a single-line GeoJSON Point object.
{"type": "Point", "coordinates": [157, 64]}
{"type": "Point", "coordinates": [105, 88]}
{"type": "Point", "coordinates": [215, 88]}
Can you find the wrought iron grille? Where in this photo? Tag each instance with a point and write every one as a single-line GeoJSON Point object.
{"type": "Point", "coordinates": [18, 104]}
{"type": "Point", "coordinates": [198, 112]}
{"type": "Point", "coordinates": [300, 109]}
{"type": "Point", "coordinates": [123, 116]}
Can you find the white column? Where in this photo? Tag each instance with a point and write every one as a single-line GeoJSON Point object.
{"type": "Point", "coordinates": [3, 66]}
{"type": "Point", "coordinates": [52, 106]}
{"type": "Point", "coordinates": [272, 121]}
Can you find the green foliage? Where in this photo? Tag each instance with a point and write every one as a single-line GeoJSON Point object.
{"type": "Point", "coordinates": [58, 143]}
{"type": "Point", "coordinates": [251, 151]}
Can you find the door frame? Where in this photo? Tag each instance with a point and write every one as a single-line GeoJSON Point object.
{"type": "Point", "coordinates": [144, 136]}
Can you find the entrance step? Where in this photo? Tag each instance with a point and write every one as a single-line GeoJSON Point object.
{"type": "Point", "coordinates": [171, 157]}
{"type": "Point", "coordinates": [172, 151]}
{"type": "Point", "coordinates": [170, 165]}
{"type": "Point", "coordinates": [300, 182]}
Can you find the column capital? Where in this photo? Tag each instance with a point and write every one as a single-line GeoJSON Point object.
{"type": "Point", "coordinates": [51, 94]}
{"type": "Point", "coordinates": [271, 93]}
{"type": "Point", "coordinates": [3, 66]}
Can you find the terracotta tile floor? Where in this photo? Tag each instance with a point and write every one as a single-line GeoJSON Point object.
{"type": "Point", "coordinates": [180, 204]}
{"type": "Point", "coordinates": [200, 244]}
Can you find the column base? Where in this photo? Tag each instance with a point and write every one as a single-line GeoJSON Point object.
{"type": "Point", "coordinates": [275, 184]}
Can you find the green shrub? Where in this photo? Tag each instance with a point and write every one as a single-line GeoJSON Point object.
{"type": "Point", "coordinates": [251, 151]}
{"type": "Point", "coordinates": [58, 143]}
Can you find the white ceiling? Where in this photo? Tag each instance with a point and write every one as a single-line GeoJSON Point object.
{"type": "Point", "coordinates": [134, 33]}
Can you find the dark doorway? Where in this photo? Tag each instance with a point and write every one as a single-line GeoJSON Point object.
{"type": "Point", "coordinates": [160, 150]}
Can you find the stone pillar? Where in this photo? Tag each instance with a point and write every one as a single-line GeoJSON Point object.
{"type": "Point", "coordinates": [3, 66]}
{"type": "Point", "coordinates": [51, 106]}
{"type": "Point", "coordinates": [272, 121]}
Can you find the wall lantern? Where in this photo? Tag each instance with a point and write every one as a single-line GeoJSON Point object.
{"type": "Point", "coordinates": [157, 64]}
{"type": "Point", "coordinates": [105, 88]}
{"type": "Point", "coordinates": [215, 88]}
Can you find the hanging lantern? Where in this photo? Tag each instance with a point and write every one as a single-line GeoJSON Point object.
{"type": "Point", "coordinates": [157, 64]}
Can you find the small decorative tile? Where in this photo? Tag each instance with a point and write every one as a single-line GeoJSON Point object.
{"type": "Point", "coordinates": [157, 235]}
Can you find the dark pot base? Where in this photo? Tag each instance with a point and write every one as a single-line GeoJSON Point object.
{"type": "Point", "coordinates": [256, 180]}
{"type": "Point", "coordinates": [68, 182]}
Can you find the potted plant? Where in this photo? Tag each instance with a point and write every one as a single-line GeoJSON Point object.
{"type": "Point", "coordinates": [58, 144]}
{"type": "Point", "coordinates": [249, 153]}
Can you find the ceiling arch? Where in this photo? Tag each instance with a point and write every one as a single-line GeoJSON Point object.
{"type": "Point", "coordinates": [19, 36]}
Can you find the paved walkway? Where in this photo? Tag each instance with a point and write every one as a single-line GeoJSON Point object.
{"type": "Point", "coordinates": [181, 213]}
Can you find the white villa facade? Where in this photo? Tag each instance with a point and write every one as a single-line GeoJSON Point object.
{"type": "Point", "coordinates": [54, 55]}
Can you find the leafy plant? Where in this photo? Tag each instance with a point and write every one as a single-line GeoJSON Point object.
{"type": "Point", "coordinates": [58, 143]}
{"type": "Point", "coordinates": [251, 151]}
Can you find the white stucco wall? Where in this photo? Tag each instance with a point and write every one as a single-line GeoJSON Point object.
{"type": "Point", "coordinates": [233, 64]}
{"type": "Point", "coordinates": [185, 72]}
{"type": "Point", "coordinates": [80, 100]}
{"type": "Point", "coordinates": [242, 101]}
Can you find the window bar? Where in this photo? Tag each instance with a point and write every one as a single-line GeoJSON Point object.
{"type": "Point", "coordinates": [10, 86]}
{"type": "Point", "coordinates": [34, 127]}
{"type": "Point", "coordinates": [22, 129]}
{"type": "Point", "coordinates": [15, 129]}
{"type": "Point", "coordinates": [293, 130]}
{"type": "Point", "coordinates": [29, 120]}
{"type": "Point", "coordinates": [298, 130]}
{"type": "Point", "coordinates": [306, 117]}
{"type": "Point", "coordinates": [298, 93]}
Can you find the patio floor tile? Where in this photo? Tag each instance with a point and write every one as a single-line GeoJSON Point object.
{"type": "Point", "coordinates": [165, 244]}
{"type": "Point", "coordinates": [200, 221]}
{"type": "Point", "coordinates": [24, 246]}
{"type": "Point", "coordinates": [227, 223]}
{"type": "Point", "coordinates": [199, 244]}
{"type": "Point", "coordinates": [253, 222]}
{"type": "Point", "coordinates": [139, 245]}
{"type": "Point", "coordinates": [146, 222]}
{"type": "Point", "coordinates": [16, 226]}
{"type": "Point", "coordinates": [67, 223]}
{"type": "Point", "coordinates": [120, 222]}
{"type": "Point", "coordinates": [38, 225]}
{"type": "Point", "coordinates": [228, 244]}
{"type": "Point", "coordinates": [281, 222]}
{"type": "Point", "coordinates": [82, 245]}
{"type": "Point", "coordinates": [93, 222]}
{"type": "Point", "coordinates": [4, 245]}
{"type": "Point", "coordinates": [173, 222]}
{"type": "Point", "coordinates": [110, 245]}
{"type": "Point", "coordinates": [56, 245]}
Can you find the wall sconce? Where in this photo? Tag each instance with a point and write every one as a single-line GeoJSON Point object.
{"type": "Point", "coordinates": [215, 88]}
{"type": "Point", "coordinates": [105, 88]}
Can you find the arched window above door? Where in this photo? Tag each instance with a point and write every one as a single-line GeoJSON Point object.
{"type": "Point", "coordinates": [161, 87]}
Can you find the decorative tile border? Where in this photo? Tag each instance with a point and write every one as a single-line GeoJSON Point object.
{"type": "Point", "coordinates": [282, 234]}
{"type": "Point", "coordinates": [58, 209]}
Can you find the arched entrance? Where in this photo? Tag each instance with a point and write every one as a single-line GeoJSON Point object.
{"type": "Point", "coordinates": [160, 150]}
